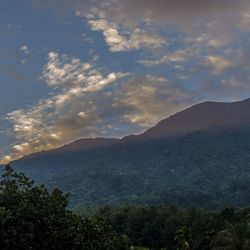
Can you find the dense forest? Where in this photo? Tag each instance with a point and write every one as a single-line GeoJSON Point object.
{"type": "Point", "coordinates": [207, 169]}
{"type": "Point", "coordinates": [31, 217]}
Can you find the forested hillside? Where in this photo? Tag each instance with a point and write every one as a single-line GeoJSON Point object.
{"type": "Point", "coordinates": [206, 164]}
{"type": "Point", "coordinates": [31, 217]}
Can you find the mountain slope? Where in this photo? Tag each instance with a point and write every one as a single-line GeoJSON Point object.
{"type": "Point", "coordinates": [200, 156]}
{"type": "Point", "coordinates": [202, 117]}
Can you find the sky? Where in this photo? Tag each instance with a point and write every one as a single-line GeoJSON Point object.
{"type": "Point", "coordinates": [88, 68]}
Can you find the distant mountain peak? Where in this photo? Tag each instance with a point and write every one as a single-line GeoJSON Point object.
{"type": "Point", "coordinates": [206, 115]}
{"type": "Point", "coordinates": [200, 117]}
{"type": "Point", "coordinates": [205, 161]}
{"type": "Point", "coordinates": [89, 143]}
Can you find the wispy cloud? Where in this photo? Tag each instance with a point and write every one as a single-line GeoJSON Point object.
{"type": "Point", "coordinates": [67, 112]}
{"type": "Point", "coordinates": [149, 99]}
{"type": "Point", "coordinates": [178, 56]}
{"type": "Point", "coordinates": [218, 63]}
{"type": "Point", "coordinates": [85, 102]}
{"type": "Point", "coordinates": [136, 38]}
{"type": "Point", "coordinates": [25, 49]}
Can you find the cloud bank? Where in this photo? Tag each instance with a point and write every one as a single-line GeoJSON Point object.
{"type": "Point", "coordinates": [67, 112]}
{"type": "Point", "coordinates": [84, 102]}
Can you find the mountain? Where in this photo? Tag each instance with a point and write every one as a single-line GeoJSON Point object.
{"type": "Point", "coordinates": [200, 156]}
{"type": "Point", "coordinates": [202, 117]}
{"type": "Point", "coordinates": [79, 145]}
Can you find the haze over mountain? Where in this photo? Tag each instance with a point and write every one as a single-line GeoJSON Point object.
{"type": "Point", "coordinates": [199, 156]}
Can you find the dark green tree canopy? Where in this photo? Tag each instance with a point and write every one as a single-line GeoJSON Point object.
{"type": "Point", "coordinates": [31, 217]}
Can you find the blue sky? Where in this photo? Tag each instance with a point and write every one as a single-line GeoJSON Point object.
{"type": "Point", "coordinates": [76, 69]}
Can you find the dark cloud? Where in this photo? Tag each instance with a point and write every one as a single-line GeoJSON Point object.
{"type": "Point", "coordinates": [183, 13]}
{"type": "Point", "coordinates": [184, 9]}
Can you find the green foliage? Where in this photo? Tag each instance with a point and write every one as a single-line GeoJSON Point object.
{"type": "Point", "coordinates": [183, 238]}
{"type": "Point", "coordinates": [233, 237]}
{"type": "Point", "coordinates": [31, 217]}
{"type": "Point", "coordinates": [172, 228]}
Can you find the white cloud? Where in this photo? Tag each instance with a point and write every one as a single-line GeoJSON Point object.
{"type": "Point", "coordinates": [6, 159]}
{"type": "Point", "coordinates": [75, 76]}
{"type": "Point", "coordinates": [218, 63]}
{"type": "Point", "coordinates": [136, 38]}
{"type": "Point", "coordinates": [25, 49]}
{"type": "Point", "coordinates": [81, 105]}
{"type": "Point", "coordinates": [67, 113]}
{"type": "Point", "coordinates": [215, 42]}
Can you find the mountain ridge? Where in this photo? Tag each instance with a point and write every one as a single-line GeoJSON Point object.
{"type": "Point", "coordinates": [178, 127]}
{"type": "Point", "coordinates": [199, 156]}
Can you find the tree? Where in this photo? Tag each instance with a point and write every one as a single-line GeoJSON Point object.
{"type": "Point", "coordinates": [33, 218]}
{"type": "Point", "coordinates": [183, 238]}
{"type": "Point", "coordinates": [234, 237]}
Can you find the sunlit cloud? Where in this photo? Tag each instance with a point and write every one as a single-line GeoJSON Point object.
{"type": "Point", "coordinates": [149, 99]}
{"type": "Point", "coordinates": [136, 38]}
{"type": "Point", "coordinates": [218, 64]}
{"type": "Point", "coordinates": [80, 105]}
{"type": "Point", "coordinates": [66, 113]}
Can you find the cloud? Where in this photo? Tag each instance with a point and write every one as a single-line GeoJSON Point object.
{"type": "Point", "coordinates": [136, 38]}
{"type": "Point", "coordinates": [84, 102]}
{"type": "Point", "coordinates": [75, 76]}
{"type": "Point", "coordinates": [231, 59]}
{"type": "Point", "coordinates": [6, 159]}
{"type": "Point", "coordinates": [178, 56]}
{"type": "Point", "coordinates": [217, 18]}
{"type": "Point", "coordinates": [129, 25]}
{"type": "Point", "coordinates": [218, 64]}
{"type": "Point", "coordinates": [138, 24]}
{"type": "Point", "coordinates": [181, 10]}
{"type": "Point", "coordinates": [207, 39]}
{"type": "Point", "coordinates": [236, 84]}
{"type": "Point", "coordinates": [25, 49]}
{"type": "Point", "coordinates": [70, 110]}
{"type": "Point", "coordinates": [189, 14]}
{"type": "Point", "coordinates": [149, 99]}
{"type": "Point", "coordinates": [229, 88]}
